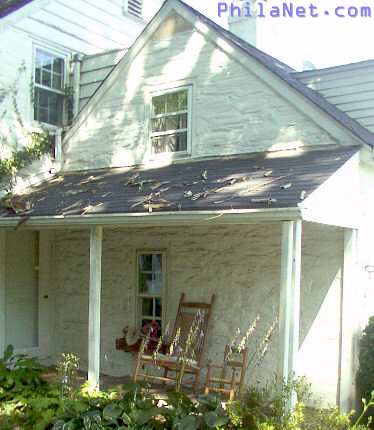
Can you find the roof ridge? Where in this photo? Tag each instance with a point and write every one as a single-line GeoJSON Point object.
{"type": "Point", "coordinates": [358, 64]}
{"type": "Point", "coordinates": [282, 70]}
{"type": "Point", "coordinates": [286, 73]}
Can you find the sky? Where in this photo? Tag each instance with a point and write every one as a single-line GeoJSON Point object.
{"type": "Point", "coordinates": [324, 40]}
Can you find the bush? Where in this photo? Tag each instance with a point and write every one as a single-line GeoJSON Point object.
{"type": "Point", "coordinates": [20, 376]}
{"type": "Point", "coordinates": [365, 375]}
{"type": "Point", "coordinates": [28, 403]}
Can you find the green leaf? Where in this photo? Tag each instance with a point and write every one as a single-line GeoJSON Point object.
{"type": "Point", "coordinates": [8, 352]}
{"type": "Point", "coordinates": [213, 420]}
{"type": "Point", "coordinates": [112, 412]}
{"type": "Point", "coordinates": [188, 422]}
{"type": "Point", "coordinates": [143, 416]}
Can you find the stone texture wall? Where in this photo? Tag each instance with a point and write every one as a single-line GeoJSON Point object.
{"type": "Point", "coordinates": [320, 310]}
{"type": "Point", "coordinates": [240, 264]}
{"type": "Point", "coordinates": [233, 110]}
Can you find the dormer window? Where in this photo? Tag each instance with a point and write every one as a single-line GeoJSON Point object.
{"type": "Point", "coordinates": [170, 121]}
{"type": "Point", "coordinates": [134, 7]}
{"type": "Point", "coordinates": [49, 77]}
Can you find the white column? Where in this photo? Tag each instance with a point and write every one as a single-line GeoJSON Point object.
{"type": "Point", "coordinates": [289, 310]}
{"type": "Point", "coordinates": [350, 322]}
{"type": "Point", "coordinates": [2, 293]}
{"type": "Point", "coordinates": [96, 236]}
{"type": "Point", "coordinates": [46, 297]}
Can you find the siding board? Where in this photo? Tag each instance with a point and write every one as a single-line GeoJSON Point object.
{"type": "Point", "coordinates": [349, 87]}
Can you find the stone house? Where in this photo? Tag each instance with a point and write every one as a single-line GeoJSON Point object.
{"type": "Point", "coordinates": [199, 165]}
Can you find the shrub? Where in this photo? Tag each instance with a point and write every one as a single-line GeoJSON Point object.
{"type": "Point", "coordinates": [365, 375]}
{"type": "Point", "coordinates": [19, 376]}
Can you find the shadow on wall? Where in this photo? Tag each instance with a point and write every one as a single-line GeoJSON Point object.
{"type": "Point", "coordinates": [320, 310]}
{"type": "Point", "coordinates": [233, 110]}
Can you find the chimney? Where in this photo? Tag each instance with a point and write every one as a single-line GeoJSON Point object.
{"type": "Point", "coordinates": [243, 21]}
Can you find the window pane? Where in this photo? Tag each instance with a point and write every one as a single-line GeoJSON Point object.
{"type": "Point", "coordinates": [174, 122]}
{"type": "Point", "coordinates": [44, 59]}
{"type": "Point", "coordinates": [55, 108]}
{"type": "Point", "coordinates": [159, 105]}
{"type": "Point", "coordinates": [145, 262]}
{"type": "Point", "coordinates": [147, 308]}
{"type": "Point", "coordinates": [46, 78]}
{"type": "Point", "coordinates": [172, 102]}
{"type": "Point", "coordinates": [158, 308]}
{"type": "Point", "coordinates": [57, 82]}
{"type": "Point", "coordinates": [158, 124]}
{"type": "Point", "coordinates": [38, 75]}
{"type": "Point", "coordinates": [183, 100]}
{"type": "Point", "coordinates": [150, 283]}
{"type": "Point", "coordinates": [49, 70]}
{"type": "Point", "coordinates": [170, 143]}
{"type": "Point", "coordinates": [48, 107]}
{"type": "Point", "coordinates": [43, 115]}
{"type": "Point", "coordinates": [58, 65]}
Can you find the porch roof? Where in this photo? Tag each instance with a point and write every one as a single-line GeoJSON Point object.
{"type": "Point", "coordinates": [262, 180]}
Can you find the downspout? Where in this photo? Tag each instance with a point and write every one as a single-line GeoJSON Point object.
{"type": "Point", "coordinates": [76, 65]}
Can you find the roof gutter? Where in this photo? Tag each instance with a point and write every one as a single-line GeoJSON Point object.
{"type": "Point", "coordinates": [243, 216]}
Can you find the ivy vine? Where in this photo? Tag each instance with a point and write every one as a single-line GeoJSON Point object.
{"type": "Point", "coordinates": [40, 145]}
{"type": "Point", "coordinates": [18, 156]}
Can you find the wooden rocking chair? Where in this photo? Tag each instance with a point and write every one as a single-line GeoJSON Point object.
{"type": "Point", "coordinates": [192, 318]}
{"type": "Point", "coordinates": [237, 363]}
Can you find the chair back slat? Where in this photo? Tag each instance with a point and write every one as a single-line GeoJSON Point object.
{"type": "Point", "coordinates": [191, 323]}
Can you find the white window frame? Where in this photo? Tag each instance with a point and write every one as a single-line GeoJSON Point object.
{"type": "Point", "coordinates": [139, 296]}
{"type": "Point", "coordinates": [64, 57]}
{"type": "Point", "coordinates": [177, 154]}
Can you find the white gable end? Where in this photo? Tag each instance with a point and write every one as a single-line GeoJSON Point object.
{"type": "Point", "coordinates": [233, 109]}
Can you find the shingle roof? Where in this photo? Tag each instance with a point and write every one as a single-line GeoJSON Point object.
{"type": "Point", "coordinates": [286, 74]}
{"type": "Point", "coordinates": [279, 180]}
{"type": "Point", "coordinates": [9, 6]}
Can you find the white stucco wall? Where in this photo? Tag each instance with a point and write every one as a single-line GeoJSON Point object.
{"type": "Point", "coordinates": [241, 264]}
{"type": "Point", "coordinates": [233, 110]}
{"type": "Point", "coordinates": [321, 310]}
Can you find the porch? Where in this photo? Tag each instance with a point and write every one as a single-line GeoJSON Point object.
{"type": "Point", "coordinates": [88, 291]}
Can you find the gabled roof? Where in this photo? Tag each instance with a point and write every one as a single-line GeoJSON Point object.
{"type": "Point", "coordinates": [279, 180]}
{"type": "Point", "coordinates": [9, 6]}
{"type": "Point", "coordinates": [285, 73]}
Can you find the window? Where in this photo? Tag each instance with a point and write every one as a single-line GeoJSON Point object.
{"type": "Point", "coordinates": [150, 289]}
{"type": "Point", "coordinates": [134, 7]}
{"type": "Point", "coordinates": [48, 87]}
{"type": "Point", "coordinates": [170, 121]}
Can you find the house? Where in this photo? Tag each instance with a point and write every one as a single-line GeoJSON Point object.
{"type": "Point", "coordinates": [42, 45]}
{"type": "Point", "coordinates": [198, 165]}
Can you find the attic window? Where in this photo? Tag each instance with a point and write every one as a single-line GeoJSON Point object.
{"type": "Point", "coordinates": [135, 7]}
{"type": "Point", "coordinates": [170, 121]}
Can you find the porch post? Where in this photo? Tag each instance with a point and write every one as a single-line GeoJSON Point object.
{"type": "Point", "coordinates": [289, 310]}
{"type": "Point", "coordinates": [350, 323]}
{"type": "Point", "coordinates": [2, 293]}
{"type": "Point", "coordinates": [96, 235]}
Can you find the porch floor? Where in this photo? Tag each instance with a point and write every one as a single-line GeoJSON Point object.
{"type": "Point", "coordinates": [107, 382]}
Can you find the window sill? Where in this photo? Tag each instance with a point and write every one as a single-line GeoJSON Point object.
{"type": "Point", "coordinates": [170, 156]}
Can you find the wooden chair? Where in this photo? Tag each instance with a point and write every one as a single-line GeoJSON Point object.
{"type": "Point", "coordinates": [192, 318]}
{"type": "Point", "coordinates": [237, 363]}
